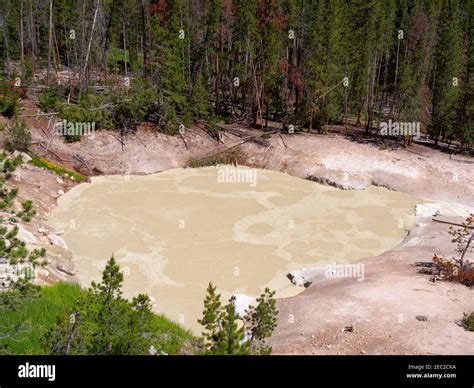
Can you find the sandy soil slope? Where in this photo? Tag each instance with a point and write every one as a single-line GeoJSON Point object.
{"type": "Point", "coordinates": [383, 308]}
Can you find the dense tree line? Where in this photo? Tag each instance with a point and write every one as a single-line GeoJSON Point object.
{"type": "Point", "coordinates": [308, 62]}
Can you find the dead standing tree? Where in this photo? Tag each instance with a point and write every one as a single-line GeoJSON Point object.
{"type": "Point", "coordinates": [83, 76]}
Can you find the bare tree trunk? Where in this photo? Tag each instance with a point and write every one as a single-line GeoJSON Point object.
{"type": "Point", "coordinates": [125, 47]}
{"type": "Point", "coordinates": [371, 91]}
{"type": "Point", "coordinates": [50, 44]}
{"type": "Point", "coordinates": [22, 44]}
{"type": "Point", "coordinates": [145, 72]}
{"type": "Point", "coordinates": [396, 77]}
{"type": "Point", "coordinates": [461, 261]}
{"type": "Point", "coordinates": [106, 44]}
{"type": "Point", "coordinates": [32, 37]}
{"type": "Point", "coordinates": [86, 61]}
{"type": "Point", "coordinates": [345, 106]}
{"type": "Point", "coordinates": [56, 57]}
{"type": "Point", "coordinates": [5, 40]}
{"type": "Point", "coordinates": [81, 52]}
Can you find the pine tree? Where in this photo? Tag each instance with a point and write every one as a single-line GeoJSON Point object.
{"type": "Point", "coordinates": [270, 23]}
{"type": "Point", "coordinates": [261, 321]}
{"type": "Point", "coordinates": [212, 319]}
{"type": "Point", "coordinates": [232, 340]}
{"type": "Point", "coordinates": [465, 115]}
{"type": "Point", "coordinates": [102, 322]}
{"type": "Point", "coordinates": [228, 333]}
{"type": "Point", "coordinates": [244, 41]}
{"type": "Point", "coordinates": [171, 63]}
{"type": "Point", "coordinates": [447, 61]}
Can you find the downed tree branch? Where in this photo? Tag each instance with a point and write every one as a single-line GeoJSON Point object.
{"type": "Point", "coordinates": [242, 141]}
{"type": "Point", "coordinates": [53, 153]}
{"type": "Point", "coordinates": [81, 160]}
{"type": "Point", "coordinates": [452, 223]}
{"type": "Point", "coordinates": [416, 153]}
{"type": "Point", "coordinates": [41, 114]}
{"type": "Point", "coordinates": [242, 134]}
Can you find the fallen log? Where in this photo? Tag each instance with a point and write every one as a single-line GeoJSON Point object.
{"type": "Point", "coordinates": [241, 141]}
{"type": "Point", "coordinates": [53, 153]}
{"type": "Point", "coordinates": [207, 129]}
{"type": "Point", "coordinates": [452, 223]}
{"type": "Point", "coordinates": [243, 134]}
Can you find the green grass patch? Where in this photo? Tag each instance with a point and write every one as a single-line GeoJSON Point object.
{"type": "Point", "coordinates": [172, 336]}
{"type": "Point", "coordinates": [48, 165]}
{"type": "Point", "coordinates": [37, 315]}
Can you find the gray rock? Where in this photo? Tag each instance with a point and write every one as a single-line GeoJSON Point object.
{"type": "Point", "coordinates": [26, 236]}
{"type": "Point", "coordinates": [68, 267]}
{"type": "Point", "coordinates": [298, 280]}
{"type": "Point", "coordinates": [349, 328]}
{"type": "Point", "coordinates": [24, 156]}
{"type": "Point", "coordinates": [42, 272]}
{"type": "Point", "coordinates": [43, 231]}
{"type": "Point", "coordinates": [422, 318]}
{"type": "Point", "coordinates": [57, 241]}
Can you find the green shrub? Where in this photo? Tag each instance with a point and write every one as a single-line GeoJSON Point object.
{"type": "Point", "coordinates": [49, 101]}
{"type": "Point", "coordinates": [18, 138]}
{"type": "Point", "coordinates": [27, 212]}
{"type": "Point", "coordinates": [468, 321]}
{"type": "Point", "coordinates": [128, 114]}
{"type": "Point", "coordinates": [132, 108]}
{"type": "Point", "coordinates": [9, 105]}
{"type": "Point", "coordinates": [116, 59]}
{"type": "Point", "coordinates": [107, 323]}
{"type": "Point", "coordinates": [10, 165]}
{"type": "Point", "coordinates": [6, 198]}
{"type": "Point", "coordinates": [210, 161]}
{"type": "Point", "coordinates": [83, 113]}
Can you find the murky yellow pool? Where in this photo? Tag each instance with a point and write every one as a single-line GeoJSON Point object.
{"type": "Point", "coordinates": [244, 229]}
